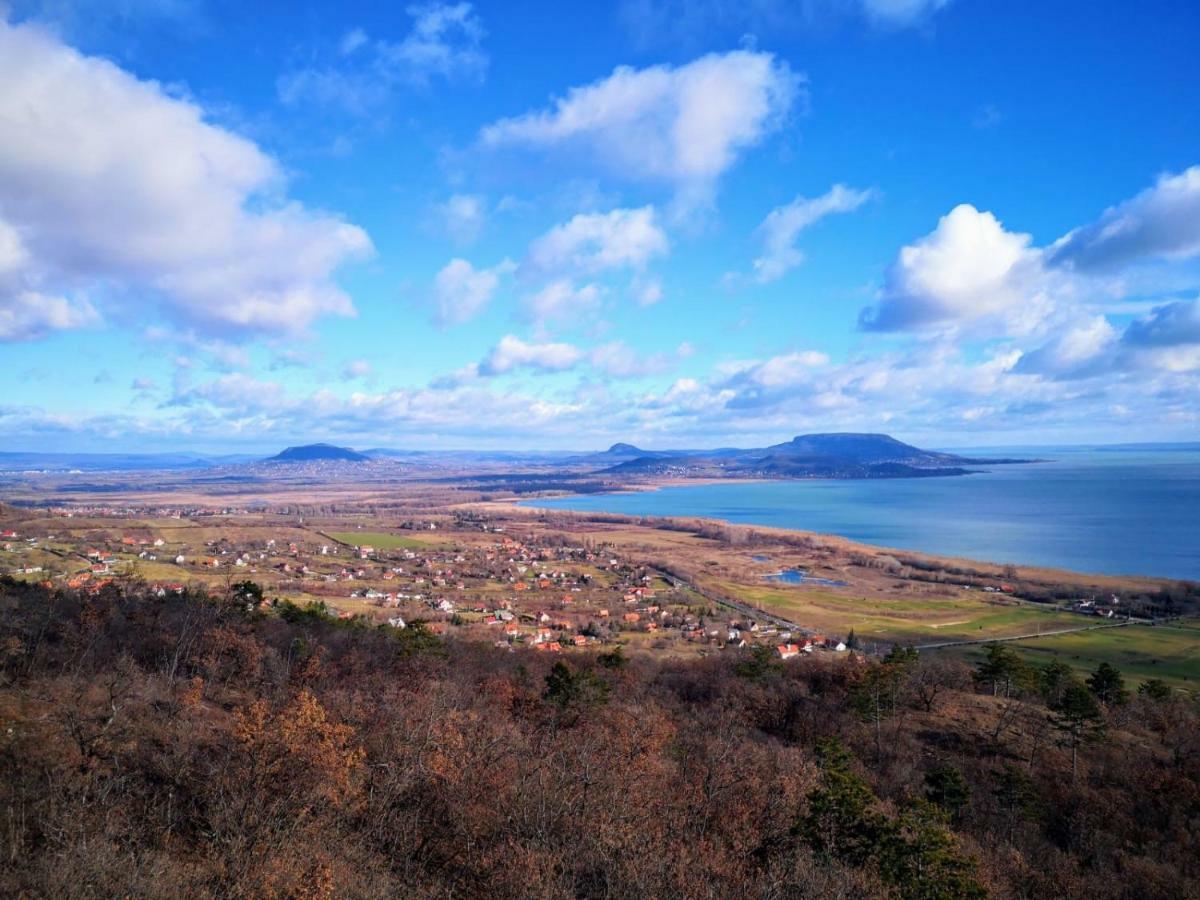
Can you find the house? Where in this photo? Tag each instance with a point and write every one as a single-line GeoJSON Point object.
{"type": "Point", "coordinates": [788, 651]}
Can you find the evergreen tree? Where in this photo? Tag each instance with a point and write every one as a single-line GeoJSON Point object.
{"type": "Point", "coordinates": [1078, 719]}
{"type": "Point", "coordinates": [1004, 672]}
{"type": "Point", "coordinates": [1053, 678]}
{"type": "Point", "coordinates": [1154, 689]}
{"type": "Point", "coordinates": [946, 787]}
{"type": "Point", "coordinates": [841, 821]}
{"type": "Point", "coordinates": [923, 861]}
{"type": "Point", "coordinates": [1108, 685]}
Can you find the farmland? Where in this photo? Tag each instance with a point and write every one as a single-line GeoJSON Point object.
{"type": "Point", "coordinates": [380, 539]}
{"type": "Point", "coordinates": [1170, 652]}
{"type": "Point", "coordinates": [885, 620]}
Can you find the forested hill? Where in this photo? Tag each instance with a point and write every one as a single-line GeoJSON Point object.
{"type": "Point", "coordinates": [181, 745]}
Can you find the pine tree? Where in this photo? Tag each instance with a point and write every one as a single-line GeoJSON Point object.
{"type": "Point", "coordinates": [923, 861]}
{"type": "Point", "coordinates": [1108, 685]}
{"type": "Point", "coordinates": [1079, 720]}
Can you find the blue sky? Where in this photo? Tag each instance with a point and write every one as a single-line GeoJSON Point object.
{"type": "Point", "coordinates": [524, 225]}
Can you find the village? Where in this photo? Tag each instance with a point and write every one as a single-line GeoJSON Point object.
{"type": "Point", "coordinates": [461, 577]}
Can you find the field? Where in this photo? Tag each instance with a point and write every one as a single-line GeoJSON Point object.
{"type": "Point", "coordinates": [905, 619]}
{"type": "Point", "coordinates": [381, 540]}
{"type": "Point", "coordinates": [1170, 652]}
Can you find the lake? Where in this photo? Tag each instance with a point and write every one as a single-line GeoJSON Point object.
{"type": "Point", "coordinates": [1109, 510]}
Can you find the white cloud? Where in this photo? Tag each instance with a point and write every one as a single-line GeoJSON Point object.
{"type": "Point", "coordinates": [783, 224]}
{"type": "Point", "coordinates": [618, 360]}
{"type": "Point", "coordinates": [560, 300]}
{"type": "Point", "coordinates": [788, 369]}
{"type": "Point", "coordinates": [445, 42]}
{"type": "Point", "coordinates": [356, 369]}
{"type": "Point", "coordinates": [461, 292]}
{"type": "Point", "coordinates": [685, 125]}
{"type": "Point", "coordinates": [593, 242]}
{"type": "Point", "coordinates": [109, 181]}
{"type": "Point", "coordinates": [648, 292]}
{"type": "Point", "coordinates": [969, 269]}
{"type": "Point", "coordinates": [464, 216]}
{"type": "Point", "coordinates": [1077, 350]}
{"type": "Point", "coordinates": [900, 12]}
{"type": "Point", "coordinates": [1161, 222]}
{"type": "Point", "coordinates": [513, 353]}
{"type": "Point", "coordinates": [352, 40]}
{"type": "Point", "coordinates": [28, 315]}
{"type": "Point", "coordinates": [1168, 339]}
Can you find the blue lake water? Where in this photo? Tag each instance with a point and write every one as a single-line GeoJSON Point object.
{"type": "Point", "coordinates": [1112, 511]}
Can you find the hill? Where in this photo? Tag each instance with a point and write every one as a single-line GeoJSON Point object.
{"type": "Point", "coordinates": [832, 455]}
{"type": "Point", "coordinates": [315, 452]}
{"type": "Point", "coordinates": [185, 745]}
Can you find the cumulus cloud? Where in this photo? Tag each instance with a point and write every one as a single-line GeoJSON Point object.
{"type": "Point", "coordinates": [618, 360]}
{"type": "Point", "coordinates": [461, 292]}
{"type": "Point", "coordinates": [684, 125]}
{"type": "Point", "coordinates": [783, 225]}
{"type": "Point", "coordinates": [594, 242]}
{"type": "Point", "coordinates": [1161, 222]}
{"type": "Point", "coordinates": [1167, 339]}
{"type": "Point", "coordinates": [463, 216]}
{"type": "Point", "coordinates": [1077, 350]}
{"type": "Point", "coordinates": [1167, 325]}
{"type": "Point", "coordinates": [445, 42]}
{"type": "Point", "coordinates": [969, 269]}
{"type": "Point", "coordinates": [560, 299]}
{"type": "Point", "coordinates": [28, 315]}
{"type": "Point", "coordinates": [513, 353]}
{"type": "Point", "coordinates": [112, 186]}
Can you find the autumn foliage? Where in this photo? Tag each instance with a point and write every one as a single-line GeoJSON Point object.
{"type": "Point", "coordinates": [187, 746]}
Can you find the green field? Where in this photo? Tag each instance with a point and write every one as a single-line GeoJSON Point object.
{"type": "Point", "coordinates": [1170, 652]}
{"type": "Point", "coordinates": [379, 539]}
{"type": "Point", "coordinates": [915, 619]}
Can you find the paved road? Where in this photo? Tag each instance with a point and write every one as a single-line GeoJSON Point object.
{"type": "Point", "coordinates": [745, 609]}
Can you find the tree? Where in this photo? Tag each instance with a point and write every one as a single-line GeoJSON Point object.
{"type": "Point", "coordinates": [841, 821]}
{"type": "Point", "coordinates": [922, 858]}
{"type": "Point", "coordinates": [1154, 689]}
{"type": "Point", "coordinates": [758, 663]}
{"type": "Point", "coordinates": [1078, 719]}
{"type": "Point", "coordinates": [852, 642]}
{"type": "Point", "coordinates": [1015, 795]}
{"type": "Point", "coordinates": [946, 787]}
{"type": "Point", "coordinates": [1004, 671]}
{"type": "Point", "coordinates": [1053, 679]}
{"type": "Point", "coordinates": [873, 697]}
{"type": "Point", "coordinates": [1108, 685]}
{"type": "Point", "coordinates": [614, 659]}
{"type": "Point", "coordinates": [571, 692]}
{"type": "Point", "coordinates": [933, 675]}
{"type": "Point", "coordinates": [246, 592]}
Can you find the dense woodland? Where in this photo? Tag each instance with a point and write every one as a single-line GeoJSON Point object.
{"type": "Point", "coordinates": [191, 745]}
